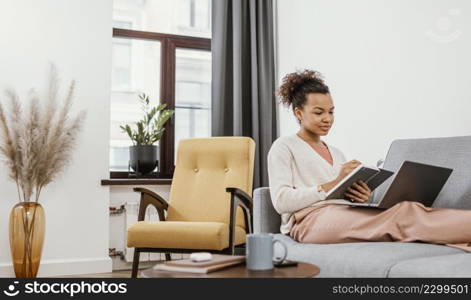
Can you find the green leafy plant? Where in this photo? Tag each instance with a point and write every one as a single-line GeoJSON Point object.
{"type": "Point", "coordinates": [151, 128]}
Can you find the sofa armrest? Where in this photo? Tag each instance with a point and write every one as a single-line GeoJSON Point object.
{"type": "Point", "coordinates": [148, 197]}
{"type": "Point", "coordinates": [265, 217]}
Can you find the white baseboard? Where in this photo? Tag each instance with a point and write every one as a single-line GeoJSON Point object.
{"type": "Point", "coordinates": [63, 267]}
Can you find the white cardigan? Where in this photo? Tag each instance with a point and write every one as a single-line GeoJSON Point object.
{"type": "Point", "coordinates": [295, 170]}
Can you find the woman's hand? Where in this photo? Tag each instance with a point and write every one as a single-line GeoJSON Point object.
{"type": "Point", "coordinates": [359, 192]}
{"type": "Point", "coordinates": [347, 168]}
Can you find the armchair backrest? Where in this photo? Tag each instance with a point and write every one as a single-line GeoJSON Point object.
{"type": "Point", "coordinates": [203, 170]}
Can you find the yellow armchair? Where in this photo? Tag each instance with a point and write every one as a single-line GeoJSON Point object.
{"type": "Point", "coordinates": [210, 204]}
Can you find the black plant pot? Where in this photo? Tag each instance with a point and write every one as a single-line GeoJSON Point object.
{"type": "Point", "coordinates": [143, 159]}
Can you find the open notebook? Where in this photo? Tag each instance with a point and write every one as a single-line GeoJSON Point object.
{"type": "Point", "coordinates": [372, 176]}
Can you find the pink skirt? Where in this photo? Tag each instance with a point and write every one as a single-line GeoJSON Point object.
{"type": "Point", "coordinates": [404, 222]}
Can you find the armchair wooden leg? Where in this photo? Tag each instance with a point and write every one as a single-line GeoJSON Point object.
{"type": "Point", "coordinates": [135, 263]}
{"type": "Point", "coordinates": [168, 257]}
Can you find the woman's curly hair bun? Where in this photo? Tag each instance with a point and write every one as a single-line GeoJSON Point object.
{"type": "Point", "coordinates": [295, 86]}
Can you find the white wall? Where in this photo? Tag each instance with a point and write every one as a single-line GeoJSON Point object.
{"type": "Point", "coordinates": [396, 68]}
{"type": "Point", "coordinates": [76, 36]}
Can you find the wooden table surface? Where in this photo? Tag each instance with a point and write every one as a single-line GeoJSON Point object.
{"type": "Point", "coordinates": [302, 270]}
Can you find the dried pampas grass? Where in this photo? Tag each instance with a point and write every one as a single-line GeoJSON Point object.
{"type": "Point", "coordinates": [37, 145]}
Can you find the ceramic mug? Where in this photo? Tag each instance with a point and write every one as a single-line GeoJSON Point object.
{"type": "Point", "coordinates": [259, 251]}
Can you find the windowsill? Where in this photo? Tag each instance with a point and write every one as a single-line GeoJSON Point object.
{"type": "Point", "coordinates": [137, 181]}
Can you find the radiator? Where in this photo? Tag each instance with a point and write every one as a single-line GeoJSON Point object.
{"type": "Point", "coordinates": [132, 209]}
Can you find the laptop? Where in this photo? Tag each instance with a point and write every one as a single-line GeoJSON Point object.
{"type": "Point", "coordinates": [414, 182]}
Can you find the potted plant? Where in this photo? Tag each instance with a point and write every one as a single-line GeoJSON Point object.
{"type": "Point", "coordinates": [36, 146]}
{"type": "Point", "coordinates": [143, 154]}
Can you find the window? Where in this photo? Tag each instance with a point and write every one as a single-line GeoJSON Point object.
{"type": "Point", "coordinates": [192, 94]}
{"type": "Point", "coordinates": [134, 70]}
{"type": "Point", "coordinates": [178, 17]}
{"type": "Point", "coordinates": [160, 47]}
{"type": "Point", "coordinates": [121, 77]}
{"type": "Point", "coordinates": [194, 15]}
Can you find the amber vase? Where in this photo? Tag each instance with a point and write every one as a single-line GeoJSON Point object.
{"type": "Point", "coordinates": [27, 228]}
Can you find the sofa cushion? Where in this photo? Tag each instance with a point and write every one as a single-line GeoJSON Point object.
{"type": "Point", "coordinates": [362, 259]}
{"type": "Point", "coordinates": [452, 265]}
{"type": "Point", "coordinates": [449, 152]}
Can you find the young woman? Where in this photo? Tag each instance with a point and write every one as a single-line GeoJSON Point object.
{"type": "Point", "coordinates": [302, 168]}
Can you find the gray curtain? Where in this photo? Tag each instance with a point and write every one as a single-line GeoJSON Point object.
{"type": "Point", "coordinates": [243, 75]}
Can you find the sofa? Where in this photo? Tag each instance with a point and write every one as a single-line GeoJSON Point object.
{"type": "Point", "coordinates": [389, 259]}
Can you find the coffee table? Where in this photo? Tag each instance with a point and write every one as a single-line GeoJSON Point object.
{"type": "Point", "coordinates": [302, 270]}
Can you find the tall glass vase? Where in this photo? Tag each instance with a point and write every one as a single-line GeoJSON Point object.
{"type": "Point", "coordinates": [27, 228]}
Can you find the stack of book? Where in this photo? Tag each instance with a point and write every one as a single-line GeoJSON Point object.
{"type": "Point", "coordinates": [202, 267]}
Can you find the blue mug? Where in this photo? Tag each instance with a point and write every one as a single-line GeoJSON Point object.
{"type": "Point", "coordinates": [259, 251]}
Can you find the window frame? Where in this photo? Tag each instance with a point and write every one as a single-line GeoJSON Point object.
{"type": "Point", "coordinates": [168, 43]}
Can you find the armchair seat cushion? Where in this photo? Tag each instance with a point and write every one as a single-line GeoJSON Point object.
{"type": "Point", "coordinates": [183, 235]}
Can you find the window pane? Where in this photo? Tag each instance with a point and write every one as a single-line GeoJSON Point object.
{"type": "Point", "coordinates": [192, 94]}
{"type": "Point", "coordinates": [183, 17]}
{"type": "Point", "coordinates": [121, 64]}
{"type": "Point", "coordinates": [135, 69]}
